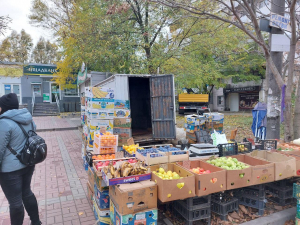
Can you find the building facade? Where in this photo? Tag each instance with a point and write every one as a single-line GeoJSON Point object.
{"type": "Point", "coordinates": [237, 96]}
{"type": "Point", "coordinates": [37, 80]}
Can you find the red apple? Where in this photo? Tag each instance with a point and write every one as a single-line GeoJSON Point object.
{"type": "Point", "coordinates": [208, 171]}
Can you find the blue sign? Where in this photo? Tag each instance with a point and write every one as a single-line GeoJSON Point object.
{"type": "Point", "coordinates": [7, 87]}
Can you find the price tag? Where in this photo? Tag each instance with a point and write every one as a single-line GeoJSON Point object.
{"type": "Point", "coordinates": [130, 141]}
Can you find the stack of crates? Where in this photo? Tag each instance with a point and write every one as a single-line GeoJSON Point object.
{"type": "Point", "coordinates": [281, 192]}
{"type": "Point", "coordinates": [194, 209]}
{"type": "Point", "coordinates": [296, 195]}
{"type": "Point", "coordinates": [253, 196]}
{"type": "Point", "coordinates": [224, 203]}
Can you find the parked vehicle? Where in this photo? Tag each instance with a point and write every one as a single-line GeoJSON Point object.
{"type": "Point", "coordinates": [192, 102]}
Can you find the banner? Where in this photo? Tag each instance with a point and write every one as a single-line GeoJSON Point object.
{"type": "Point", "coordinates": [81, 76]}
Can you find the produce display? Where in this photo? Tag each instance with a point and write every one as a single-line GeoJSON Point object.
{"type": "Point", "coordinates": [169, 175]}
{"type": "Point", "coordinates": [228, 163]}
{"type": "Point", "coordinates": [101, 164]}
{"type": "Point", "coordinates": [107, 139]}
{"type": "Point", "coordinates": [131, 149]}
{"type": "Point", "coordinates": [106, 150]}
{"type": "Point", "coordinates": [152, 151]}
{"type": "Point", "coordinates": [200, 171]}
{"type": "Point", "coordinates": [125, 169]}
{"type": "Point", "coordinates": [175, 151]}
{"type": "Point", "coordinates": [103, 157]}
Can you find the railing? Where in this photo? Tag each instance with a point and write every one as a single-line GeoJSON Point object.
{"type": "Point", "coordinates": [57, 102]}
{"type": "Point", "coordinates": [33, 101]}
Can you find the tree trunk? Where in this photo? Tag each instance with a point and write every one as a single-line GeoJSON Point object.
{"type": "Point", "coordinates": [297, 113]}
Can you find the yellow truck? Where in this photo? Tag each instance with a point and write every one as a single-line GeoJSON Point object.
{"type": "Point", "coordinates": [192, 102]}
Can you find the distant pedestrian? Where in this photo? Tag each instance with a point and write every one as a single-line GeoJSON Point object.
{"type": "Point", "coordinates": [15, 177]}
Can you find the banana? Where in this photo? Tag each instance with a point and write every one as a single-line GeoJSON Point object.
{"type": "Point", "coordinates": [127, 171]}
{"type": "Point", "coordinates": [117, 173]}
{"type": "Point", "coordinates": [105, 169]}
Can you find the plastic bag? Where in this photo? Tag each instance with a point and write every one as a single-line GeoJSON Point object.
{"type": "Point", "coordinates": [218, 138]}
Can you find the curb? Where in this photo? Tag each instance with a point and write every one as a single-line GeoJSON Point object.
{"type": "Point", "coordinates": [58, 129]}
{"type": "Point", "coordinates": [278, 218]}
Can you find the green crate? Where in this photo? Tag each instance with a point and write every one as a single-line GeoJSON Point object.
{"type": "Point", "coordinates": [296, 191]}
{"type": "Point", "coordinates": [298, 211]}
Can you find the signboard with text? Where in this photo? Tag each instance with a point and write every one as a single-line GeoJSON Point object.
{"type": "Point", "coordinates": [280, 22]}
{"type": "Point", "coordinates": [241, 89]}
{"type": "Point", "coordinates": [39, 70]}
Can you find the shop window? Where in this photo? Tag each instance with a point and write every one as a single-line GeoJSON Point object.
{"type": "Point", "coordinates": [71, 92]}
{"type": "Point", "coordinates": [220, 100]}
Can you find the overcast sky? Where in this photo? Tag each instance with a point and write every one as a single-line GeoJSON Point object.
{"type": "Point", "coordinates": [18, 10]}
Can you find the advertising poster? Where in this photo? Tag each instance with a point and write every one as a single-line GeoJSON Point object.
{"type": "Point", "coordinates": [248, 101]}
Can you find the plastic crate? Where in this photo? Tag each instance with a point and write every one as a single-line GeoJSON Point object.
{"type": "Point", "coordinates": [296, 191]}
{"type": "Point", "coordinates": [105, 150]}
{"type": "Point", "coordinates": [227, 149]}
{"type": "Point", "coordinates": [196, 202]}
{"type": "Point", "coordinates": [253, 203]}
{"type": "Point", "coordinates": [283, 183]}
{"type": "Point", "coordinates": [281, 201]}
{"type": "Point", "coordinates": [268, 144]}
{"type": "Point", "coordinates": [105, 140]}
{"type": "Point", "coordinates": [280, 192]}
{"type": "Point", "coordinates": [298, 211]}
{"type": "Point", "coordinates": [252, 192]}
{"type": "Point", "coordinates": [192, 215]}
{"type": "Point", "coordinates": [223, 208]}
{"type": "Point", "coordinates": [245, 147]}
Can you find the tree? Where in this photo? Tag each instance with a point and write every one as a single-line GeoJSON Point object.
{"type": "Point", "coordinates": [4, 21]}
{"type": "Point", "coordinates": [215, 52]}
{"type": "Point", "coordinates": [45, 52]}
{"type": "Point", "coordinates": [118, 36]}
{"type": "Point", "coordinates": [230, 13]}
{"type": "Point", "coordinates": [16, 47]}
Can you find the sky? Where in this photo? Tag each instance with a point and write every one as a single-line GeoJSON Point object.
{"type": "Point", "coordinates": [18, 10]}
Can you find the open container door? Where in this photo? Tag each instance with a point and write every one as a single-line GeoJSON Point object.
{"type": "Point", "coordinates": [163, 106]}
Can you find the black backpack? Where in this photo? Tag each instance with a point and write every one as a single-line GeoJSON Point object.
{"type": "Point", "coordinates": [35, 149]}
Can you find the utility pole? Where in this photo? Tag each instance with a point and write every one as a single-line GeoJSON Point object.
{"type": "Point", "coordinates": [274, 92]}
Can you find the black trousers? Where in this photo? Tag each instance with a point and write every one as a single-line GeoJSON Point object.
{"type": "Point", "coordinates": [16, 187]}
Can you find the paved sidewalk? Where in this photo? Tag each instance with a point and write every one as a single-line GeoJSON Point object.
{"type": "Point", "coordinates": [48, 123]}
{"type": "Point", "coordinates": [59, 183]}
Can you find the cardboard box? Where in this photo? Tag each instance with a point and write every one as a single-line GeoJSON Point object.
{"type": "Point", "coordinates": [99, 92]}
{"type": "Point", "coordinates": [211, 126]}
{"type": "Point", "coordinates": [191, 128]}
{"type": "Point", "coordinates": [102, 216]}
{"type": "Point", "coordinates": [101, 197]}
{"type": "Point", "coordinates": [168, 190]}
{"type": "Point", "coordinates": [207, 183]}
{"type": "Point", "coordinates": [285, 166]}
{"type": "Point", "coordinates": [122, 123]}
{"type": "Point", "coordinates": [124, 180]}
{"type": "Point", "coordinates": [97, 114]}
{"type": "Point", "coordinates": [152, 161]}
{"type": "Point", "coordinates": [134, 197]}
{"type": "Point", "coordinates": [194, 120]}
{"type": "Point", "coordinates": [191, 137]}
{"type": "Point", "coordinates": [101, 185]}
{"type": "Point", "coordinates": [260, 171]}
{"type": "Point", "coordinates": [91, 176]}
{"type": "Point", "coordinates": [148, 217]}
{"type": "Point", "coordinates": [233, 178]}
{"type": "Point", "coordinates": [90, 193]}
{"type": "Point", "coordinates": [122, 113]}
{"type": "Point", "coordinates": [123, 135]}
{"type": "Point", "coordinates": [102, 125]}
{"type": "Point", "coordinates": [122, 104]}
{"type": "Point", "coordinates": [101, 103]}
{"type": "Point", "coordinates": [177, 158]}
